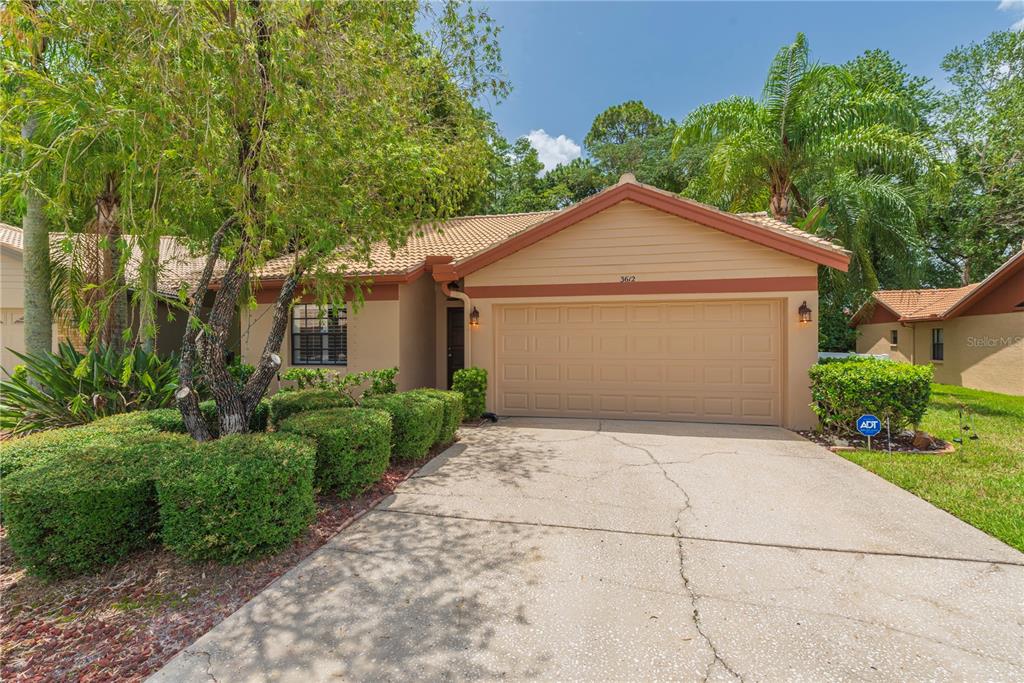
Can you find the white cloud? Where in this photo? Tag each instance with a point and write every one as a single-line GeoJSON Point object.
{"type": "Point", "coordinates": [553, 151]}
{"type": "Point", "coordinates": [1015, 6]}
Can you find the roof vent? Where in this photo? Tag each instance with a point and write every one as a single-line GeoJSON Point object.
{"type": "Point", "coordinates": [626, 178]}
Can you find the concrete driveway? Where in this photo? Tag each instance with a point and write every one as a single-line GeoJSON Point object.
{"type": "Point", "coordinates": [605, 550]}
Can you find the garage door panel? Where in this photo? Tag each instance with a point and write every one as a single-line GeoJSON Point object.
{"type": "Point", "coordinates": [712, 361]}
{"type": "Point", "coordinates": [547, 343]}
{"type": "Point", "coordinates": [511, 372]}
{"type": "Point", "coordinates": [579, 403]}
{"type": "Point", "coordinates": [579, 373]}
{"type": "Point", "coordinates": [547, 315]}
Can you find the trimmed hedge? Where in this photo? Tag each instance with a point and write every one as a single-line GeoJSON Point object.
{"type": "Point", "coordinates": [472, 384]}
{"type": "Point", "coordinates": [416, 422]}
{"type": "Point", "coordinates": [353, 446]}
{"type": "Point", "coordinates": [160, 420]}
{"type": "Point", "coordinates": [842, 392]}
{"type": "Point", "coordinates": [67, 441]}
{"type": "Point", "coordinates": [237, 497]}
{"type": "Point", "coordinates": [34, 448]}
{"type": "Point", "coordinates": [284, 404]}
{"type": "Point", "coordinates": [89, 506]}
{"type": "Point", "coordinates": [454, 410]}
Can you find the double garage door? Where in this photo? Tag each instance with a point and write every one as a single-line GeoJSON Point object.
{"type": "Point", "coordinates": [709, 361]}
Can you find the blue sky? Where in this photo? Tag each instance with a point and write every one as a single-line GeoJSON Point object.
{"type": "Point", "coordinates": [568, 61]}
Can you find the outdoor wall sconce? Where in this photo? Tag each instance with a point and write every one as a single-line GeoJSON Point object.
{"type": "Point", "coordinates": [805, 312]}
{"type": "Point", "coordinates": [474, 318]}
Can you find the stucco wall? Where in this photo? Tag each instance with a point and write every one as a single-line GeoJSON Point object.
{"type": "Point", "coordinates": [874, 339]}
{"type": "Point", "coordinates": [633, 239]}
{"type": "Point", "coordinates": [990, 349]}
{"type": "Point", "coordinates": [373, 337]}
{"type": "Point", "coordinates": [12, 279]}
{"type": "Point", "coordinates": [980, 351]}
{"type": "Point", "coordinates": [417, 316]}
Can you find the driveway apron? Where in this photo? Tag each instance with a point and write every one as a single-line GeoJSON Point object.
{"type": "Point", "coordinates": [611, 550]}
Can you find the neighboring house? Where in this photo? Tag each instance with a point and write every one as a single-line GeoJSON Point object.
{"type": "Point", "coordinates": [177, 266]}
{"type": "Point", "coordinates": [633, 303]}
{"type": "Point", "coordinates": [973, 335]}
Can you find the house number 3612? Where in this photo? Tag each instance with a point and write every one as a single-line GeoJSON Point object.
{"type": "Point", "coordinates": [627, 278]}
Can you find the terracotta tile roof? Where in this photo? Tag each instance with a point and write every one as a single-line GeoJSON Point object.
{"type": "Point", "coordinates": [10, 236]}
{"type": "Point", "coordinates": [920, 303]}
{"type": "Point", "coordinates": [177, 264]}
{"type": "Point", "coordinates": [766, 220]}
{"type": "Point", "coordinates": [459, 238]}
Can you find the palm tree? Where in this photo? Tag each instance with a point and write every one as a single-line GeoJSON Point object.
{"type": "Point", "coordinates": [810, 119]}
{"type": "Point", "coordinates": [874, 218]}
{"type": "Point", "coordinates": [22, 41]}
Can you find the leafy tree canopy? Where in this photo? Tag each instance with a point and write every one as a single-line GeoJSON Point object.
{"type": "Point", "coordinates": [286, 131]}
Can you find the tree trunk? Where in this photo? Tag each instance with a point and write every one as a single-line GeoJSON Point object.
{"type": "Point", "coordinates": [147, 294]}
{"type": "Point", "coordinates": [234, 406]}
{"type": "Point", "coordinates": [188, 399]}
{"type": "Point", "coordinates": [232, 416]}
{"type": "Point", "coordinates": [38, 311]}
{"type": "Point", "coordinates": [270, 360]}
{"type": "Point", "coordinates": [780, 189]}
{"type": "Point", "coordinates": [233, 410]}
{"type": "Point", "coordinates": [108, 227]}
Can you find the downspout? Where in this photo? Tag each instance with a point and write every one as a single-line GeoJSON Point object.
{"type": "Point", "coordinates": [467, 307]}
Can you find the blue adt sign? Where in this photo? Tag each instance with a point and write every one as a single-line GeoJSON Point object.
{"type": "Point", "coordinates": [869, 425]}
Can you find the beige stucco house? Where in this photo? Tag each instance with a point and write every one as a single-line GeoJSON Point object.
{"type": "Point", "coordinates": [632, 304]}
{"type": "Point", "coordinates": [973, 335]}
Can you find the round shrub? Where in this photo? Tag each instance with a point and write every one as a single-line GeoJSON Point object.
{"type": "Point", "coordinates": [237, 497]}
{"type": "Point", "coordinates": [77, 509]}
{"type": "Point", "coordinates": [415, 422]}
{"type": "Point", "coordinates": [472, 384]}
{"type": "Point", "coordinates": [284, 404]}
{"type": "Point", "coordinates": [454, 411]}
{"type": "Point", "coordinates": [353, 446]}
{"type": "Point", "coordinates": [842, 392]}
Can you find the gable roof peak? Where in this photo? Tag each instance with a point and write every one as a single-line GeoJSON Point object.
{"type": "Point", "coordinates": [627, 178]}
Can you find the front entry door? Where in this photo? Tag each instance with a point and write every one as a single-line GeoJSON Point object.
{"type": "Point", "coordinates": [456, 342]}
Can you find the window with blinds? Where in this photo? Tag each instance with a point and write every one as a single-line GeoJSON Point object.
{"type": "Point", "coordinates": [319, 335]}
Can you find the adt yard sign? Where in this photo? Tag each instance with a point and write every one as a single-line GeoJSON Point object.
{"type": "Point", "coordinates": [869, 425]}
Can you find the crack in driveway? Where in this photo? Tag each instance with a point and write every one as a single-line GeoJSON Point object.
{"type": "Point", "coordinates": [695, 616]}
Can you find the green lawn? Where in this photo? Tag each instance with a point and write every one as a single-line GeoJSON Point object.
{"type": "Point", "coordinates": [983, 482]}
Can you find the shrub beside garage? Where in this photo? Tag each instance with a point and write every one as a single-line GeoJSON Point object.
{"type": "Point", "coordinates": [353, 446]}
{"type": "Point", "coordinates": [87, 501]}
{"type": "Point", "coordinates": [238, 497]}
{"type": "Point", "coordinates": [416, 422]}
{"type": "Point", "coordinates": [843, 391]}
{"type": "Point", "coordinates": [472, 384]}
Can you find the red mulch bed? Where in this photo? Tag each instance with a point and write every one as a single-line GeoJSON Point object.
{"type": "Point", "coordinates": [128, 621]}
{"type": "Point", "coordinates": [901, 443]}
